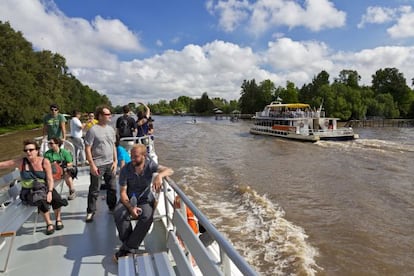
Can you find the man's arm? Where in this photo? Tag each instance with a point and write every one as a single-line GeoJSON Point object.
{"type": "Point", "coordinates": [92, 166]}
{"type": "Point", "coordinates": [133, 211]}
{"type": "Point", "coordinates": [162, 172]}
{"type": "Point", "coordinates": [63, 127]}
{"type": "Point", "coordinates": [115, 163]}
{"type": "Point", "coordinates": [147, 110]}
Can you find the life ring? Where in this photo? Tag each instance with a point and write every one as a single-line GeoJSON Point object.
{"type": "Point", "coordinates": [191, 219]}
{"type": "Point", "coordinates": [301, 125]}
{"type": "Point", "coordinates": [326, 123]}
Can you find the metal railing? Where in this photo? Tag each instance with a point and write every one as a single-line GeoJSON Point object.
{"type": "Point", "coordinates": [228, 253]}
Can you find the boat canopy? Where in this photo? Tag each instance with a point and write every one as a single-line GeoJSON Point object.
{"type": "Point", "coordinates": [274, 105]}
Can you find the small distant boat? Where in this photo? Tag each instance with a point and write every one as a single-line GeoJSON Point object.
{"type": "Point", "coordinates": [297, 121]}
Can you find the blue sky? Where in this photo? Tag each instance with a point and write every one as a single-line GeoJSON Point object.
{"type": "Point", "coordinates": [141, 50]}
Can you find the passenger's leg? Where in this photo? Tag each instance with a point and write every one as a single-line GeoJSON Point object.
{"type": "Point", "coordinates": [69, 183]}
{"type": "Point", "coordinates": [123, 224]}
{"type": "Point", "coordinates": [141, 229]}
{"type": "Point", "coordinates": [110, 181]}
{"type": "Point", "coordinates": [93, 192]}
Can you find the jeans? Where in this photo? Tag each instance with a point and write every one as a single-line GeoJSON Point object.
{"type": "Point", "coordinates": [79, 150]}
{"type": "Point", "coordinates": [94, 188]}
{"type": "Point", "coordinates": [132, 238]}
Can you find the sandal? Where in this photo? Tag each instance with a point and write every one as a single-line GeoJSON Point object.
{"type": "Point", "coordinates": [59, 225]}
{"type": "Point", "coordinates": [50, 229]}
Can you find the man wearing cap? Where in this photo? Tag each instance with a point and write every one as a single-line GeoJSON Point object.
{"type": "Point", "coordinates": [54, 124]}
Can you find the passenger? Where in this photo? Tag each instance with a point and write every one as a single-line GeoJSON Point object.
{"type": "Point", "coordinates": [54, 124]}
{"type": "Point", "coordinates": [150, 126]}
{"type": "Point", "coordinates": [122, 154]}
{"type": "Point", "coordinates": [64, 158]}
{"type": "Point", "coordinates": [135, 178]}
{"type": "Point", "coordinates": [90, 122]}
{"type": "Point", "coordinates": [125, 125]}
{"type": "Point", "coordinates": [37, 167]}
{"type": "Point", "coordinates": [101, 155]}
{"type": "Point", "coordinates": [76, 127]}
{"type": "Point", "coordinates": [142, 122]}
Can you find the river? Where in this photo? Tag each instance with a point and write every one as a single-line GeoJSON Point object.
{"type": "Point", "coordinates": [292, 208]}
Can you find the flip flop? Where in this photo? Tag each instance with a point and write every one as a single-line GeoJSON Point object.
{"type": "Point", "coordinates": [59, 225]}
{"type": "Point", "coordinates": [50, 229]}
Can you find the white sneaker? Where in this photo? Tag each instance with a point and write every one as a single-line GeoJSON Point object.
{"type": "Point", "coordinates": [89, 217]}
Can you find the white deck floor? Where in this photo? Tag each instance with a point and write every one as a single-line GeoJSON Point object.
{"type": "Point", "coordinates": [78, 249]}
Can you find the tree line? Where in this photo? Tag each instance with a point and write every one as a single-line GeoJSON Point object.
{"type": "Point", "coordinates": [32, 80]}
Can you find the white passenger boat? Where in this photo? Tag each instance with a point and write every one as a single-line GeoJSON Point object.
{"type": "Point", "coordinates": [170, 248]}
{"type": "Point", "coordinates": [297, 121]}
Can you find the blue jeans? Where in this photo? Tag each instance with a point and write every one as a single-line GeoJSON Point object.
{"type": "Point", "coordinates": [94, 188]}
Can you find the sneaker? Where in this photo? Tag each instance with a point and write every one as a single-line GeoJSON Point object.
{"type": "Point", "coordinates": [89, 217]}
{"type": "Point", "coordinates": [72, 195]}
{"type": "Point", "coordinates": [119, 254]}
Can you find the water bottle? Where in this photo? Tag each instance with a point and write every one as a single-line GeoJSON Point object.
{"type": "Point", "coordinates": [134, 202]}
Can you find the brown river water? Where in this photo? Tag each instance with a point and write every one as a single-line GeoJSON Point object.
{"type": "Point", "coordinates": [292, 208]}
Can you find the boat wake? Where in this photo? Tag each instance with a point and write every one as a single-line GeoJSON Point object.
{"type": "Point", "coordinates": [382, 146]}
{"type": "Point", "coordinates": [256, 226]}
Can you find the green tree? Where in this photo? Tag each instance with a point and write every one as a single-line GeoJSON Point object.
{"type": "Point", "coordinates": [391, 81]}
{"type": "Point", "coordinates": [203, 105]}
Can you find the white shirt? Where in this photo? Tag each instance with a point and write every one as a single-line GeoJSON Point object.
{"type": "Point", "coordinates": [75, 127]}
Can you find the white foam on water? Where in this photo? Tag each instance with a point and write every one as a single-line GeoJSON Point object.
{"type": "Point", "coordinates": [382, 146]}
{"type": "Point", "coordinates": [257, 227]}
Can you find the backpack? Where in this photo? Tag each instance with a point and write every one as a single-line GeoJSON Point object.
{"type": "Point", "coordinates": [124, 128]}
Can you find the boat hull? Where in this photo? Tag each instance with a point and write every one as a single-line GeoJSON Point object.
{"type": "Point", "coordinates": [291, 136]}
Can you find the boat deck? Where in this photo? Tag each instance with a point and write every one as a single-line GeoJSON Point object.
{"type": "Point", "coordinates": [78, 249]}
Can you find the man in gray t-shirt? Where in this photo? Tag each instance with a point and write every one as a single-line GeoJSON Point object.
{"type": "Point", "coordinates": [101, 154]}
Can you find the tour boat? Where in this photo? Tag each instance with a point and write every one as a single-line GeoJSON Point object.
{"type": "Point", "coordinates": [171, 247]}
{"type": "Point", "coordinates": [299, 122]}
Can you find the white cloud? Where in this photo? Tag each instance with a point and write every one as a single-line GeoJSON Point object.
{"type": "Point", "coordinates": [231, 12]}
{"type": "Point", "coordinates": [405, 24]}
{"type": "Point", "coordinates": [266, 14]}
{"type": "Point", "coordinates": [377, 15]}
{"type": "Point", "coordinates": [217, 67]}
{"type": "Point", "coordinates": [47, 28]}
{"type": "Point", "coordinates": [368, 61]}
{"type": "Point", "coordinates": [403, 16]}
{"type": "Point", "coordinates": [298, 58]}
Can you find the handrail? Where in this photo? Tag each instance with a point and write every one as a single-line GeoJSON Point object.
{"type": "Point", "coordinates": [223, 243]}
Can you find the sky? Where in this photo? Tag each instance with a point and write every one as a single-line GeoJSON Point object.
{"type": "Point", "coordinates": [152, 50]}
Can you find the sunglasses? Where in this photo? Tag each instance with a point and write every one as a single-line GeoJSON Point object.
{"type": "Point", "coordinates": [51, 143]}
{"type": "Point", "coordinates": [53, 109]}
{"type": "Point", "coordinates": [28, 150]}
{"type": "Point", "coordinates": [107, 114]}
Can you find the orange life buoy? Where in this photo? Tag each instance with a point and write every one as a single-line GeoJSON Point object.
{"type": "Point", "coordinates": [191, 219]}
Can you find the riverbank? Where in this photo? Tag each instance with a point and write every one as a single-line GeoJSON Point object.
{"type": "Point", "coordinates": [11, 129]}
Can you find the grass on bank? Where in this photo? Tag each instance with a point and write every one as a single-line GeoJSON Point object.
{"type": "Point", "coordinates": [9, 129]}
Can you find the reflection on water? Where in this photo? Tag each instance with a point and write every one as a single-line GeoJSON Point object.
{"type": "Point", "coordinates": [291, 208]}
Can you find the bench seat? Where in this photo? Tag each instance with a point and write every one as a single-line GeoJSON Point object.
{"type": "Point", "coordinates": [157, 264]}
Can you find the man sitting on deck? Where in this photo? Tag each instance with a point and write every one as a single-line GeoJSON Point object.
{"type": "Point", "coordinates": [135, 179]}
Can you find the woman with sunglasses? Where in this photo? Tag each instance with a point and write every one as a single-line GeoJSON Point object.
{"type": "Point", "coordinates": [33, 164]}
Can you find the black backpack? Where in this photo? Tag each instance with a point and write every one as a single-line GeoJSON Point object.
{"type": "Point", "coordinates": [124, 128]}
